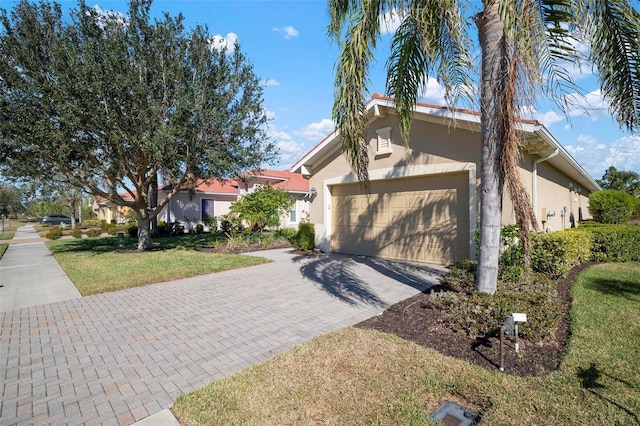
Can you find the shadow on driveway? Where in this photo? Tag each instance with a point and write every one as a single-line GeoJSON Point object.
{"type": "Point", "coordinates": [354, 279]}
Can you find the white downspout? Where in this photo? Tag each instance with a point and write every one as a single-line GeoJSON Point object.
{"type": "Point", "coordinates": [534, 190]}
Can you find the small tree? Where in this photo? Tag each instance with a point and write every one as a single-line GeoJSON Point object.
{"type": "Point", "coordinates": [263, 208]}
{"type": "Point", "coordinates": [610, 206]}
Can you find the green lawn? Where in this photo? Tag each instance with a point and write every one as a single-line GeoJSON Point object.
{"type": "Point", "coordinates": [3, 248]}
{"type": "Point", "coordinates": [95, 265]}
{"type": "Point", "coordinates": [354, 376]}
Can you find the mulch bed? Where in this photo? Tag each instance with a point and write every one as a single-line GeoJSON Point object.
{"type": "Point", "coordinates": [414, 319]}
{"type": "Point", "coordinates": [245, 248]}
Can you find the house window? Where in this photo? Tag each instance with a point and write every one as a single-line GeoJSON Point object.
{"type": "Point", "coordinates": [207, 208]}
{"type": "Point", "coordinates": [293, 214]}
{"type": "Point", "coordinates": [384, 141]}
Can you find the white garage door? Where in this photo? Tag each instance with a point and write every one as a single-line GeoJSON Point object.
{"type": "Point", "coordinates": [423, 218]}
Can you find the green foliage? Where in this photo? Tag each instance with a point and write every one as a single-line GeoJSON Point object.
{"type": "Point", "coordinates": [286, 233]}
{"type": "Point", "coordinates": [619, 180]}
{"type": "Point", "coordinates": [554, 254]}
{"type": "Point", "coordinates": [94, 232]}
{"type": "Point", "coordinates": [263, 207]}
{"type": "Point", "coordinates": [112, 229]}
{"type": "Point", "coordinates": [10, 200]}
{"type": "Point", "coordinates": [199, 228]}
{"type": "Point", "coordinates": [615, 243]}
{"type": "Point", "coordinates": [170, 229]}
{"type": "Point", "coordinates": [76, 233]}
{"type": "Point", "coordinates": [42, 208]}
{"type": "Point", "coordinates": [462, 275]}
{"type": "Point", "coordinates": [481, 313]}
{"type": "Point", "coordinates": [305, 238]}
{"type": "Point", "coordinates": [132, 229]}
{"type": "Point", "coordinates": [91, 222]}
{"type": "Point", "coordinates": [610, 206]}
{"type": "Point", "coordinates": [54, 233]}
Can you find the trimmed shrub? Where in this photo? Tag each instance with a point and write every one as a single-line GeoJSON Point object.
{"type": "Point", "coordinates": [112, 229]}
{"type": "Point", "coordinates": [94, 232]}
{"type": "Point", "coordinates": [305, 239]}
{"type": "Point", "coordinates": [76, 233]}
{"type": "Point", "coordinates": [54, 233]}
{"type": "Point", "coordinates": [615, 243]}
{"type": "Point", "coordinates": [610, 206]}
{"type": "Point", "coordinates": [132, 229]}
{"type": "Point", "coordinates": [286, 233]}
{"type": "Point", "coordinates": [91, 222]}
{"type": "Point", "coordinates": [199, 228]}
{"type": "Point", "coordinates": [103, 224]}
{"type": "Point", "coordinates": [554, 254]}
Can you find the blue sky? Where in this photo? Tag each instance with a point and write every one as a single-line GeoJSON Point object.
{"type": "Point", "coordinates": [291, 52]}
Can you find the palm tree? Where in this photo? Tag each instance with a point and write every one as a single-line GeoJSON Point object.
{"type": "Point", "coordinates": [523, 43]}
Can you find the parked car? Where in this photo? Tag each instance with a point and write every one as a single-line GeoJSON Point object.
{"type": "Point", "coordinates": [55, 219]}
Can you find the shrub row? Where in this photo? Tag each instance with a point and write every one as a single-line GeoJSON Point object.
{"type": "Point", "coordinates": [553, 256]}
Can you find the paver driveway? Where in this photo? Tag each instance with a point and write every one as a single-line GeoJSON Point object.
{"type": "Point", "coordinates": [119, 357]}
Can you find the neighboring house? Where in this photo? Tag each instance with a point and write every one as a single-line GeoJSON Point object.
{"type": "Point", "coordinates": [209, 199]}
{"type": "Point", "coordinates": [424, 200]}
{"type": "Point", "coordinates": [214, 198]}
{"type": "Point", "coordinates": [112, 213]}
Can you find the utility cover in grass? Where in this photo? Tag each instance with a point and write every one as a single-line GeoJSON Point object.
{"type": "Point", "coordinates": [454, 414]}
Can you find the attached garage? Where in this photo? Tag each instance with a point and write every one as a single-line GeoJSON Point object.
{"type": "Point", "coordinates": [424, 218]}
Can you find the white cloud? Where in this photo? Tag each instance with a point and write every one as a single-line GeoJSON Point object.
{"type": "Point", "coordinates": [546, 118]}
{"type": "Point", "coordinates": [596, 156]}
{"type": "Point", "coordinates": [433, 92]}
{"type": "Point", "coordinates": [227, 43]}
{"type": "Point", "coordinates": [290, 150]}
{"type": "Point", "coordinates": [318, 130]}
{"type": "Point", "coordinates": [289, 31]}
{"type": "Point", "coordinates": [271, 82]}
{"type": "Point", "coordinates": [390, 21]}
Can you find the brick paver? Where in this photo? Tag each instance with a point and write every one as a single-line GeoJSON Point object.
{"type": "Point", "coordinates": [118, 357]}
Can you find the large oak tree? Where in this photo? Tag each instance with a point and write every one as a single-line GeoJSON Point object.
{"type": "Point", "coordinates": [115, 103]}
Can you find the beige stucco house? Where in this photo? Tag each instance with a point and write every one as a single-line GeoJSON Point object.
{"type": "Point", "coordinates": [424, 200]}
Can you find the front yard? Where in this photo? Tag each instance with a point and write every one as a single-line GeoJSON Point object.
{"type": "Point", "coordinates": [97, 265]}
{"type": "Point", "coordinates": [358, 376]}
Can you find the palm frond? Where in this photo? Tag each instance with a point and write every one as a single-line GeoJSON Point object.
{"type": "Point", "coordinates": [351, 82]}
{"type": "Point", "coordinates": [613, 27]}
{"type": "Point", "coordinates": [430, 38]}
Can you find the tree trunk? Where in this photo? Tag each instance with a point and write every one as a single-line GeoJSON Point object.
{"type": "Point", "coordinates": [153, 203]}
{"type": "Point", "coordinates": [494, 72]}
{"type": "Point", "coordinates": [144, 231]}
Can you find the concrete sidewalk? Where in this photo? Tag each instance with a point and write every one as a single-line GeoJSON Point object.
{"type": "Point", "coordinates": [121, 357]}
{"type": "Point", "coordinates": [30, 275]}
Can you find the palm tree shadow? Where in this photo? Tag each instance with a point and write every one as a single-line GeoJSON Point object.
{"type": "Point", "coordinates": [620, 288]}
{"type": "Point", "coordinates": [589, 381]}
{"type": "Point", "coordinates": [340, 276]}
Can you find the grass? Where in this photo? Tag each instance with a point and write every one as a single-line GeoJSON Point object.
{"type": "Point", "coordinates": [96, 266]}
{"type": "Point", "coordinates": [3, 248]}
{"type": "Point", "coordinates": [6, 235]}
{"type": "Point", "coordinates": [356, 376]}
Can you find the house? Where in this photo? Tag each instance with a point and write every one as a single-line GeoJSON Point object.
{"type": "Point", "coordinates": [214, 198]}
{"type": "Point", "coordinates": [424, 200]}
{"type": "Point", "coordinates": [109, 211]}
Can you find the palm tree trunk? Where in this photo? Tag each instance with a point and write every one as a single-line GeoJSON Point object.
{"type": "Point", "coordinates": [496, 57]}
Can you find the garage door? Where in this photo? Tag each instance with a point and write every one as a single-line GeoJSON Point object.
{"type": "Point", "coordinates": [423, 218]}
